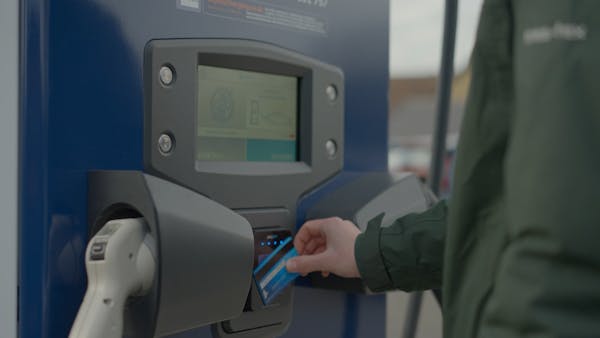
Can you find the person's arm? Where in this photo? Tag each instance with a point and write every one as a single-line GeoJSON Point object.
{"type": "Point", "coordinates": [548, 280]}
{"type": "Point", "coordinates": [406, 255]}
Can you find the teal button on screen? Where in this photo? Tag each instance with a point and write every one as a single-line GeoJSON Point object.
{"type": "Point", "coordinates": [271, 151]}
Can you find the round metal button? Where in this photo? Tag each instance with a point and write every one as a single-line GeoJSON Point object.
{"type": "Point", "coordinates": [331, 92]}
{"type": "Point", "coordinates": [331, 148]}
{"type": "Point", "coordinates": [166, 75]}
{"type": "Point", "coordinates": [165, 144]}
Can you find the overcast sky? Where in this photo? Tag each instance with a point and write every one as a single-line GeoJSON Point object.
{"type": "Point", "coordinates": [416, 35]}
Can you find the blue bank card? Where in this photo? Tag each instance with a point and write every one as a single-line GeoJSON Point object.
{"type": "Point", "coordinates": [271, 276]}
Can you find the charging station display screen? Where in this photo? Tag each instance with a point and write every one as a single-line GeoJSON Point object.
{"type": "Point", "coordinates": [246, 116]}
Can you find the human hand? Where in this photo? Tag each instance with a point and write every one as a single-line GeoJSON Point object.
{"type": "Point", "coordinates": [326, 245]}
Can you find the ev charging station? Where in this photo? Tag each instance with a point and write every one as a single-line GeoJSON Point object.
{"type": "Point", "coordinates": [160, 141]}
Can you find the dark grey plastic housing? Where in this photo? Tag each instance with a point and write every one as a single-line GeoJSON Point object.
{"type": "Point", "coordinates": [172, 110]}
{"type": "Point", "coordinates": [265, 193]}
{"type": "Point", "coordinates": [205, 251]}
{"type": "Point", "coordinates": [361, 200]}
{"type": "Point", "coordinates": [260, 321]}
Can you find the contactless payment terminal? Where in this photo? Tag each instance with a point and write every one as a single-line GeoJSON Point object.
{"type": "Point", "coordinates": [270, 275]}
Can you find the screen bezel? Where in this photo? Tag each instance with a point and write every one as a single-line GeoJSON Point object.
{"type": "Point", "coordinates": [171, 109]}
{"type": "Point", "coordinates": [303, 127]}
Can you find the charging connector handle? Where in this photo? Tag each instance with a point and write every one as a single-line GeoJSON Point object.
{"type": "Point", "coordinates": [119, 264]}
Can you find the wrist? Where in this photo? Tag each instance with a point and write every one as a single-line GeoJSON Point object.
{"type": "Point", "coordinates": [369, 261]}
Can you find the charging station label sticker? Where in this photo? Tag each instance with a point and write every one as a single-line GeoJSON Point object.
{"type": "Point", "coordinates": [292, 14]}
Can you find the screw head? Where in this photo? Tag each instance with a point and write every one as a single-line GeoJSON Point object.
{"type": "Point", "coordinates": [165, 144]}
{"type": "Point", "coordinates": [331, 148]}
{"type": "Point", "coordinates": [331, 92]}
{"type": "Point", "coordinates": [166, 75]}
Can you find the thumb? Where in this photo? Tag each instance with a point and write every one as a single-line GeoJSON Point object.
{"type": "Point", "coordinates": [307, 263]}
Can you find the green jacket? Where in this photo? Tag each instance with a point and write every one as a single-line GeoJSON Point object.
{"type": "Point", "coordinates": [517, 248]}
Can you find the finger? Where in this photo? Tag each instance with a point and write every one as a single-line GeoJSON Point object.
{"type": "Point", "coordinates": [310, 247]}
{"type": "Point", "coordinates": [300, 242]}
{"type": "Point", "coordinates": [316, 227]}
{"type": "Point", "coordinates": [307, 263]}
{"type": "Point", "coordinates": [317, 250]}
{"type": "Point", "coordinates": [309, 230]}
{"type": "Point", "coordinates": [320, 249]}
{"type": "Point", "coordinates": [299, 245]}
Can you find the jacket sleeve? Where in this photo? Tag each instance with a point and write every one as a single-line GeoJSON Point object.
{"type": "Point", "coordinates": [548, 279]}
{"type": "Point", "coordinates": [405, 255]}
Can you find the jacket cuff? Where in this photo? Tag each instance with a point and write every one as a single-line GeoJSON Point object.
{"type": "Point", "coordinates": [368, 257]}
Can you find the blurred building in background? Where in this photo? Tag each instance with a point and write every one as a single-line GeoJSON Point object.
{"type": "Point", "coordinates": [415, 52]}
{"type": "Point", "coordinates": [412, 114]}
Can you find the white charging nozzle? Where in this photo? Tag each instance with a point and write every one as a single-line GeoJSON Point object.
{"type": "Point", "coordinates": [119, 264]}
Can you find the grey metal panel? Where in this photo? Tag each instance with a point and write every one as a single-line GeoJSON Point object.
{"type": "Point", "coordinates": [9, 112]}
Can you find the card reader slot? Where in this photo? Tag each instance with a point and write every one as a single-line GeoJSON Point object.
{"type": "Point", "coordinates": [253, 321]}
{"type": "Point", "coordinates": [231, 327]}
{"type": "Point", "coordinates": [264, 218]}
{"type": "Point", "coordinates": [271, 227]}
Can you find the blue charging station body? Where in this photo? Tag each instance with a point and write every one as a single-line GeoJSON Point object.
{"type": "Point", "coordinates": [82, 109]}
